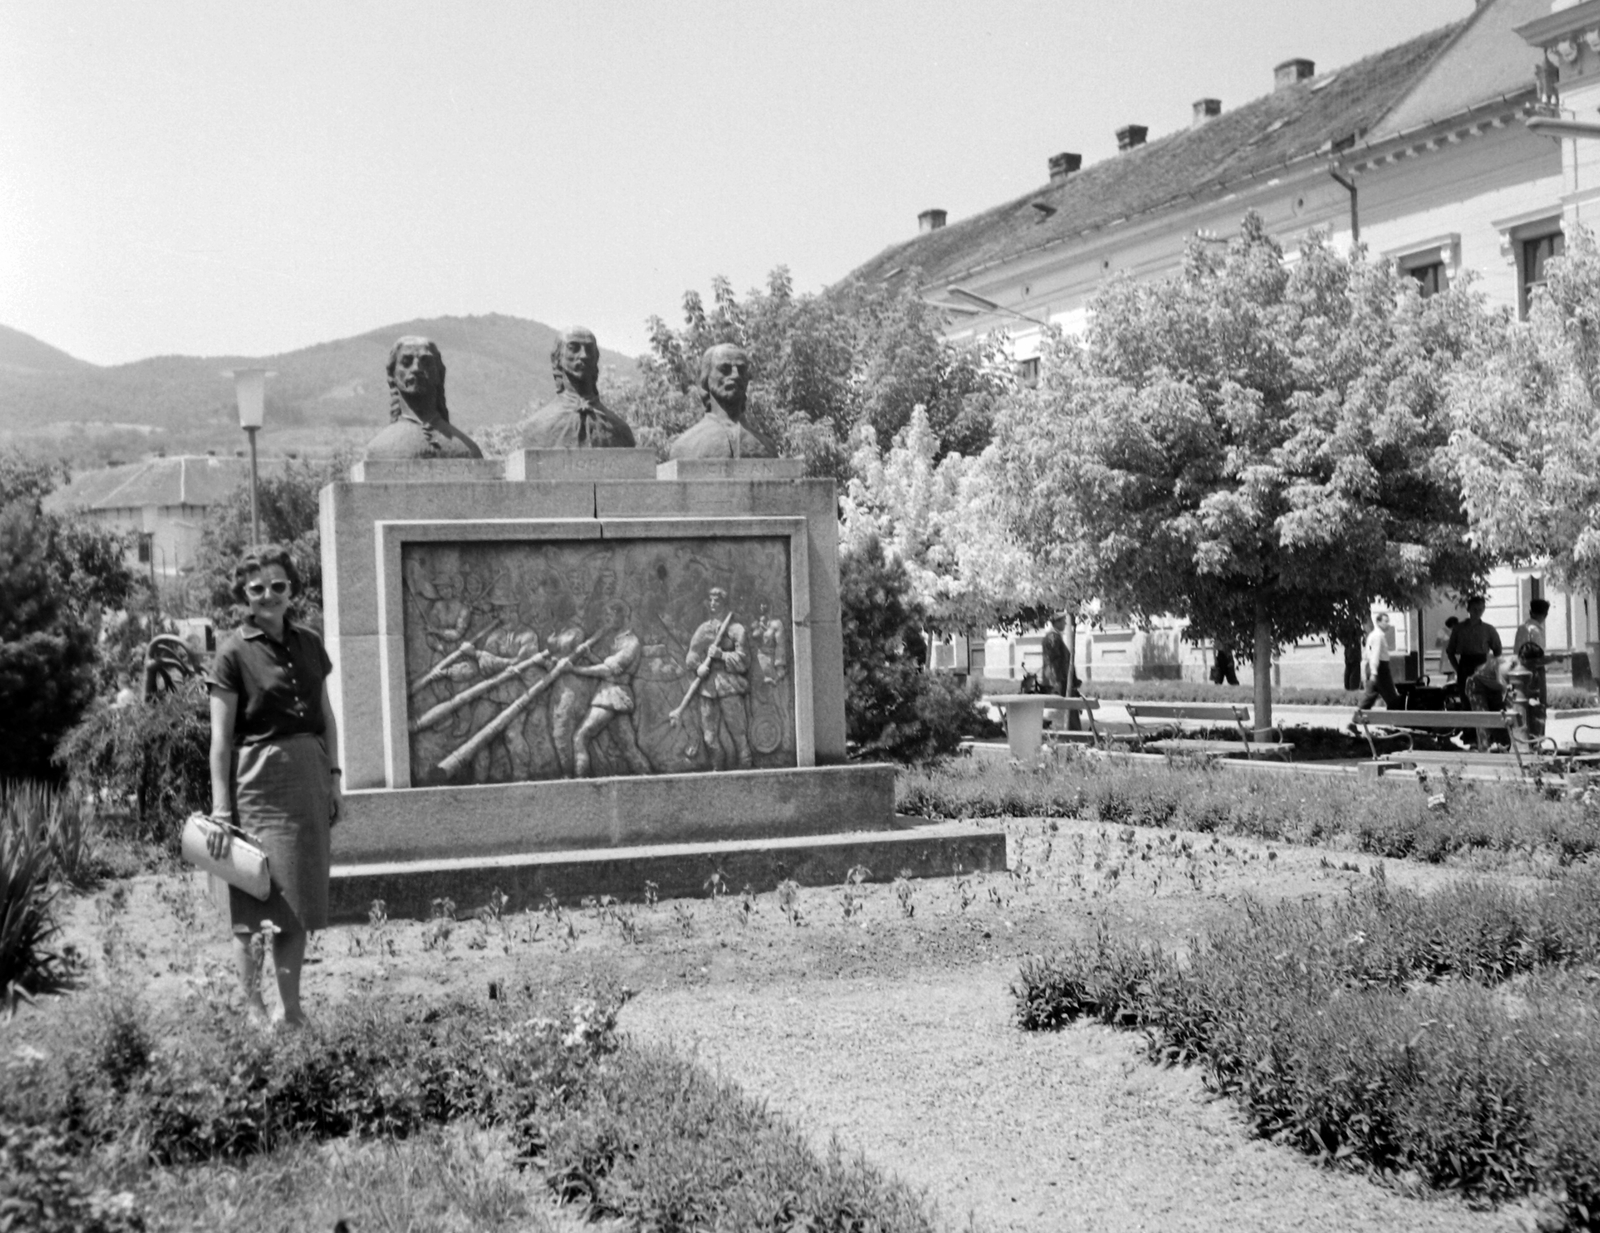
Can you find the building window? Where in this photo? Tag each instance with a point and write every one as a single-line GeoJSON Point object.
{"type": "Point", "coordinates": [145, 541]}
{"type": "Point", "coordinates": [1431, 278]}
{"type": "Point", "coordinates": [1536, 255]}
{"type": "Point", "coordinates": [1028, 372]}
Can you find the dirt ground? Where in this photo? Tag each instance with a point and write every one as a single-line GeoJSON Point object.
{"type": "Point", "coordinates": [880, 1014]}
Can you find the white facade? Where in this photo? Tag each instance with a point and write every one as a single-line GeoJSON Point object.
{"type": "Point", "coordinates": [1449, 181]}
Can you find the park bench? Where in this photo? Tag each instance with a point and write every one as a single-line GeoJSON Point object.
{"type": "Point", "coordinates": [1407, 723]}
{"type": "Point", "coordinates": [1167, 720]}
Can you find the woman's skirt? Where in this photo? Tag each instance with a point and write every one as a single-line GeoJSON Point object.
{"type": "Point", "coordinates": [282, 796]}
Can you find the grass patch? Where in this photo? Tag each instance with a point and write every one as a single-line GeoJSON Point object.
{"type": "Point", "coordinates": [1443, 817]}
{"type": "Point", "coordinates": [512, 1100]}
{"type": "Point", "coordinates": [1454, 1038]}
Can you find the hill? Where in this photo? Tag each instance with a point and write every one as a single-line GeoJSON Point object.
{"type": "Point", "coordinates": [496, 366]}
{"type": "Point", "coordinates": [24, 353]}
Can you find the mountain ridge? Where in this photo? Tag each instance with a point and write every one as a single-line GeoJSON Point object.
{"type": "Point", "coordinates": [496, 367]}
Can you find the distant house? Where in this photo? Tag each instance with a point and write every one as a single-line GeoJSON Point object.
{"type": "Point", "coordinates": [1422, 150]}
{"type": "Point", "coordinates": [162, 500]}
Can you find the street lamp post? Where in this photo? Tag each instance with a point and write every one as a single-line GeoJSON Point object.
{"type": "Point", "coordinates": [250, 390]}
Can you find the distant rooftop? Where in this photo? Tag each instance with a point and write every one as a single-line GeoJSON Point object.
{"type": "Point", "coordinates": [1316, 116]}
{"type": "Point", "coordinates": [189, 479]}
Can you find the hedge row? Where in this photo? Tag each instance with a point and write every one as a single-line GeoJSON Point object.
{"type": "Point", "coordinates": [1454, 1037]}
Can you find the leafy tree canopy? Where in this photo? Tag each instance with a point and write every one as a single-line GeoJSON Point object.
{"type": "Point", "coordinates": [1525, 405]}
{"type": "Point", "coordinates": [288, 503]}
{"type": "Point", "coordinates": [1257, 446]}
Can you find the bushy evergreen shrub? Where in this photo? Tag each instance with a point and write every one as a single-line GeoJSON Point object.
{"type": "Point", "coordinates": [894, 707]}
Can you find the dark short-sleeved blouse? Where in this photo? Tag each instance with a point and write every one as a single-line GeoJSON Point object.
{"type": "Point", "coordinates": [279, 684]}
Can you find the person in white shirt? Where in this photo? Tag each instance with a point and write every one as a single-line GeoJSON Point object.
{"type": "Point", "coordinates": [1376, 677]}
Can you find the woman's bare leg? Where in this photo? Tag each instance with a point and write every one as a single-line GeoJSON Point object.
{"type": "Point", "coordinates": [248, 965]}
{"type": "Point", "coordinates": [288, 955]}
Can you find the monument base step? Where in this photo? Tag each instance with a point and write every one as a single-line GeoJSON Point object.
{"type": "Point", "coordinates": [680, 870]}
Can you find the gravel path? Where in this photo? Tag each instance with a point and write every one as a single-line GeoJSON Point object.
{"type": "Point", "coordinates": [1006, 1129]}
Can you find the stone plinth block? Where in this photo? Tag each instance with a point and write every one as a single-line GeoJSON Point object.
{"type": "Point", "coordinates": [489, 820]}
{"type": "Point", "coordinates": [909, 847]}
{"type": "Point", "coordinates": [731, 469]}
{"type": "Point", "coordinates": [580, 465]}
{"type": "Point", "coordinates": [427, 471]}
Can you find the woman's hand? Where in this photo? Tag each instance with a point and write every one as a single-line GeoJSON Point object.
{"type": "Point", "coordinates": [219, 841]}
{"type": "Point", "coordinates": [336, 801]}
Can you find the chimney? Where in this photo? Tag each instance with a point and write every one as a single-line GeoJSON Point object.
{"type": "Point", "coordinates": [1130, 135]}
{"type": "Point", "coordinates": [1063, 165]}
{"type": "Point", "coordinates": [1205, 109]}
{"type": "Point", "coordinates": [931, 220]}
{"type": "Point", "coordinates": [1291, 72]}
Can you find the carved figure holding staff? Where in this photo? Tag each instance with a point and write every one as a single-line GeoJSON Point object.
{"type": "Point", "coordinates": [719, 656]}
{"type": "Point", "coordinates": [569, 695]}
{"type": "Point", "coordinates": [611, 710]}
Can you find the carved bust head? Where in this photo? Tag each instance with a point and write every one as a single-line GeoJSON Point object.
{"type": "Point", "coordinates": [416, 378]}
{"type": "Point", "coordinates": [575, 362]}
{"type": "Point", "coordinates": [724, 377]}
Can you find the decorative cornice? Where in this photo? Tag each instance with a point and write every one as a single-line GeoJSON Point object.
{"type": "Point", "coordinates": [1561, 26]}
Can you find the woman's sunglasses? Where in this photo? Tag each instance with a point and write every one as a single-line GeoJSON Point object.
{"type": "Point", "coordinates": [258, 590]}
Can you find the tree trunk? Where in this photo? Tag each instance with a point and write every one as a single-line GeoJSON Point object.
{"type": "Point", "coordinates": [1263, 670]}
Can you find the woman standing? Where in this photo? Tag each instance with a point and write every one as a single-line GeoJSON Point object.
{"type": "Point", "coordinates": [272, 777]}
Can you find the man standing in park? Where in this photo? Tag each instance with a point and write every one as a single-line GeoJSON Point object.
{"type": "Point", "coordinates": [1377, 678]}
{"type": "Point", "coordinates": [1055, 674]}
{"type": "Point", "coordinates": [1472, 643]}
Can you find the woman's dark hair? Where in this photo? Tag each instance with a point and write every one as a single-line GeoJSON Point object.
{"type": "Point", "coordinates": [257, 559]}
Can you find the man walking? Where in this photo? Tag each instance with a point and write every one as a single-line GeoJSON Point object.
{"type": "Point", "coordinates": [1055, 672]}
{"type": "Point", "coordinates": [1377, 678]}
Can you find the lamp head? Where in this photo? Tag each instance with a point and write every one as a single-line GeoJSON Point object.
{"type": "Point", "coordinates": [250, 390]}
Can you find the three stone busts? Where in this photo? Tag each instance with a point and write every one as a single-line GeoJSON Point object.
{"type": "Point", "coordinates": [420, 428]}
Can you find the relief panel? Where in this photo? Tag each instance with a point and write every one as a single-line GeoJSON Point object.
{"type": "Point", "coordinates": [556, 659]}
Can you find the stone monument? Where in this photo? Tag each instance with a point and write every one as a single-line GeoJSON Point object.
{"type": "Point", "coordinates": [578, 671]}
{"type": "Point", "coordinates": [576, 418]}
{"type": "Point", "coordinates": [721, 432]}
{"type": "Point", "coordinates": [419, 422]}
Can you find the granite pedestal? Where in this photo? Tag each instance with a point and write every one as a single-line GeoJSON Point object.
{"type": "Point", "coordinates": [459, 776]}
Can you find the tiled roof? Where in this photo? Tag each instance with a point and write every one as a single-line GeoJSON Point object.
{"type": "Point", "coordinates": [1267, 133]}
{"type": "Point", "coordinates": [184, 480]}
{"type": "Point", "coordinates": [1487, 60]}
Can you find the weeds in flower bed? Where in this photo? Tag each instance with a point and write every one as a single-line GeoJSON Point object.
{"type": "Point", "coordinates": [1385, 819]}
{"type": "Point", "coordinates": [624, 1132]}
{"type": "Point", "coordinates": [1455, 1036]}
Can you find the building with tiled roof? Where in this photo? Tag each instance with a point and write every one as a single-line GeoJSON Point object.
{"type": "Point", "coordinates": [1422, 151]}
{"type": "Point", "coordinates": [163, 500]}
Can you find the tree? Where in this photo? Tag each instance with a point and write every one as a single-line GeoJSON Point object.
{"type": "Point", "coordinates": [894, 709]}
{"type": "Point", "coordinates": [1525, 405]}
{"type": "Point", "coordinates": [1257, 447]}
{"type": "Point", "coordinates": [821, 366]}
{"type": "Point", "coordinates": [58, 574]}
{"type": "Point", "coordinates": [289, 510]}
{"type": "Point", "coordinates": [933, 515]}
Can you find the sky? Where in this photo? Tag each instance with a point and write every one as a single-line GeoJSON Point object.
{"type": "Point", "coordinates": [188, 177]}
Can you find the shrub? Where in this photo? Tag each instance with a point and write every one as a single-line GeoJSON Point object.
{"type": "Point", "coordinates": [28, 962]}
{"type": "Point", "coordinates": [622, 1130]}
{"type": "Point", "coordinates": [1389, 819]}
{"type": "Point", "coordinates": [65, 827]}
{"type": "Point", "coordinates": [1375, 1029]}
{"type": "Point", "coordinates": [154, 754]}
{"type": "Point", "coordinates": [894, 707]}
